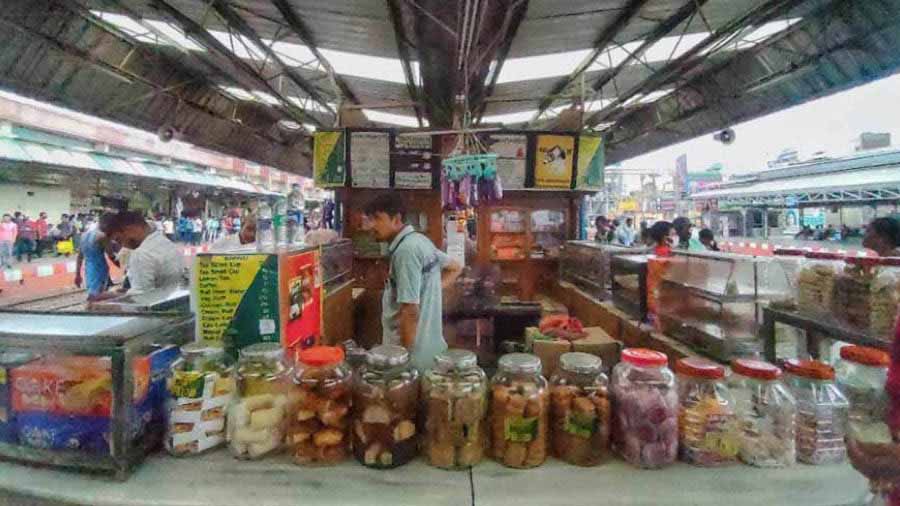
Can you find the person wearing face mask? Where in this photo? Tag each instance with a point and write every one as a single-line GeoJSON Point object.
{"type": "Point", "coordinates": [686, 240]}
{"type": "Point", "coordinates": [155, 261]}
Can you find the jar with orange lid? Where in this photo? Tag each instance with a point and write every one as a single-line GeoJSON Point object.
{"type": "Point", "coordinates": [319, 421]}
{"type": "Point", "coordinates": [821, 412]}
{"type": "Point", "coordinates": [580, 410]}
{"type": "Point", "coordinates": [707, 425]}
{"type": "Point", "coordinates": [766, 413]}
{"type": "Point", "coordinates": [861, 375]}
{"type": "Point", "coordinates": [645, 409]}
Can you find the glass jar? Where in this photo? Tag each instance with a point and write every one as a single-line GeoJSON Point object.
{"type": "Point", "coordinates": [707, 425]}
{"type": "Point", "coordinates": [579, 410]}
{"type": "Point", "coordinates": [454, 394]}
{"type": "Point", "coordinates": [821, 412]}
{"type": "Point", "coordinates": [200, 386]}
{"type": "Point", "coordinates": [385, 400]}
{"type": "Point", "coordinates": [866, 294]}
{"type": "Point", "coordinates": [782, 275]}
{"type": "Point", "coordinates": [645, 408]}
{"type": "Point", "coordinates": [815, 283]}
{"type": "Point", "coordinates": [256, 422]}
{"type": "Point", "coordinates": [861, 375]}
{"type": "Point", "coordinates": [765, 409]}
{"type": "Point", "coordinates": [520, 412]}
{"type": "Point", "coordinates": [319, 421]}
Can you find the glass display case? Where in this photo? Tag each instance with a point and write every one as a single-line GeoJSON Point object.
{"type": "Point", "coordinates": [548, 233]}
{"type": "Point", "coordinates": [175, 299]}
{"type": "Point", "coordinates": [582, 264]}
{"type": "Point", "coordinates": [86, 391]}
{"type": "Point", "coordinates": [628, 274]}
{"type": "Point", "coordinates": [711, 301]}
{"type": "Point", "coordinates": [509, 234]}
{"type": "Point", "coordinates": [337, 263]}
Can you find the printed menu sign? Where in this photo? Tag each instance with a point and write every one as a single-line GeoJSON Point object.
{"type": "Point", "coordinates": [370, 159]}
{"type": "Point", "coordinates": [553, 161]}
{"type": "Point", "coordinates": [512, 158]}
{"type": "Point", "coordinates": [414, 161]}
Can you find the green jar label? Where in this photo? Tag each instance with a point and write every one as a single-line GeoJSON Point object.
{"type": "Point", "coordinates": [520, 429]}
{"type": "Point", "coordinates": [582, 425]}
{"type": "Point", "coordinates": [187, 384]}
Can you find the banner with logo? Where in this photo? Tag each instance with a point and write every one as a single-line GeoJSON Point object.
{"type": "Point", "coordinates": [329, 158]}
{"type": "Point", "coordinates": [553, 161]}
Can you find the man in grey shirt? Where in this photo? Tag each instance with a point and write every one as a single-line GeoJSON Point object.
{"type": "Point", "coordinates": [412, 301]}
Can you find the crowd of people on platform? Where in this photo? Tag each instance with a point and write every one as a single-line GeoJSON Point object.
{"type": "Point", "coordinates": [663, 235]}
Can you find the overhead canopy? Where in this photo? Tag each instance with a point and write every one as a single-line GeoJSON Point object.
{"type": "Point", "coordinates": [244, 76]}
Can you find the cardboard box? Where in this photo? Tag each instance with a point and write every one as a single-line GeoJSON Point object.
{"type": "Point", "coordinates": [599, 343]}
{"type": "Point", "coordinates": [549, 353]}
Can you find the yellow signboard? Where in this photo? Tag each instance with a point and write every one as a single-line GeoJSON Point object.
{"type": "Point", "coordinates": [329, 159]}
{"type": "Point", "coordinates": [553, 161]}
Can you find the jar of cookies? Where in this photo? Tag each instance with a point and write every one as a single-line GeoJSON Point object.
{"type": "Point", "coordinates": [200, 386]}
{"type": "Point", "coordinates": [707, 425]}
{"type": "Point", "coordinates": [385, 400]}
{"type": "Point", "coordinates": [815, 283]}
{"type": "Point", "coordinates": [520, 412]}
{"type": "Point", "coordinates": [821, 412]}
{"type": "Point", "coordinates": [866, 295]}
{"type": "Point", "coordinates": [579, 410]}
{"type": "Point", "coordinates": [454, 394]}
{"type": "Point", "coordinates": [256, 421]}
{"type": "Point", "coordinates": [645, 409]}
{"type": "Point", "coordinates": [319, 421]}
{"type": "Point", "coordinates": [766, 410]}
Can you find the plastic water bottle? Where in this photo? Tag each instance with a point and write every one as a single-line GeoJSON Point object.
{"type": "Point", "coordinates": [295, 205]}
{"type": "Point", "coordinates": [279, 221]}
{"type": "Point", "coordinates": [265, 237]}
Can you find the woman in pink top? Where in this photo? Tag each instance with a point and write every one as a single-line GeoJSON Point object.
{"type": "Point", "coordinates": [8, 232]}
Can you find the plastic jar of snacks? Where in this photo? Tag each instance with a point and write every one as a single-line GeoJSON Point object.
{"type": "Point", "coordinates": [782, 275]}
{"type": "Point", "coordinates": [645, 409]}
{"type": "Point", "coordinates": [815, 283]}
{"type": "Point", "coordinates": [319, 423]}
{"type": "Point", "coordinates": [385, 399]}
{"type": "Point", "coordinates": [454, 394]}
{"type": "Point", "coordinates": [866, 294]}
{"type": "Point", "coordinates": [579, 410]}
{"type": "Point", "coordinates": [201, 386]}
{"type": "Point", "coordinates": [861, 376]}
{"type": "Point", "coordinates": [256, 421]}
{"type": "Point", "coordinates": [707, 425]}
{"type": "Point", "coordinates": [821, 412]}
{"type": "Point", "coordinates": [766, 410]}
{"type": "Point", "coordinates": [520, 412]}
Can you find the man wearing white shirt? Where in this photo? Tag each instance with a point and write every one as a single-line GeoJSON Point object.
{"type": "Point", "coordinates": [155, 261]}
{"type": "Point", "coordinates": [625, 233]}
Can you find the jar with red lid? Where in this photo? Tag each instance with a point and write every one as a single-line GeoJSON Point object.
{"type": "Point", "coordinates": [520, 412]}
{"type": "Point", "coordinates": [645, 409]}
{"type": "Point", "coordinates": [815, 283]}
{"type": "Point", "coordinates": [319, 421]}
{"type": "Point", "coordinates": [766, 413]}
{"type": "Point", "coordinates": [580, 410]}
{"type": "Point", "coordinates": [866, 294]}
{"type": "Point", "coordinates": [821, 412]}
{"type": "Point", "coordinates": [861, 375]}
{"type": "Point", "coordinates": [707, 425]}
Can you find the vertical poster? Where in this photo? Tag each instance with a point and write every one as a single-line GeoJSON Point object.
{"type": "Point", "coordinates": [553, 161]}
{"type": "Point", "coordinates": [456, 238]}
{"type": "Point", "coordinates": [370, 159]}
{"type": "Point", "coordinates": [329, 158]}
{"type": "Point", "coordinates": [512, 157]}
{"type": "Point", "coordinates": [236, 299]}
{"type": "Point", "coordinates": [300, 290]}
{"type": "Point", "coordinates": [414, 161]}
{"type": "Point", "coordinates": [591, 160]}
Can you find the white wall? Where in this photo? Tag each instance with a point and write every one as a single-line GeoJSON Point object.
{"type": "Point", "coordinates": [55, 200]}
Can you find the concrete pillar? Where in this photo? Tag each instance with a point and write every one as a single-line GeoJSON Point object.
{"type": "Point", "coordinates": [765, 213]}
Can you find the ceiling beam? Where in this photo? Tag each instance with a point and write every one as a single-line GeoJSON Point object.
{"type": "Point", "coordinates": [300, 29]}
{"type": "Point", "coordinates": [197, 32]}
{"type": "Point", "coordinates": [513, 19]}
{"type": "Point", "coordinates": [403, 52]}
{"type": "Point", "coordinates": [607, 35]}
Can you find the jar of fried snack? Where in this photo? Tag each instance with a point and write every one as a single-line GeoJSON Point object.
{"type": "Point", "coordinates": [256, 421]}
{"type": "Point", "coordinates": [579, 410]}
{"type": "Point", "coordinates": [866, 294]}
{"type": "Point", "coordinates": [766, 411]}
{"type": "Point", "coordinates": [520, 412]}
{"type": "Point", "coordinates": [861, 375]}
{"type": "Point", "coordinates": [200, 386]}
{"type": "Point", "coordinates": [821, 412]}
{"type": "Point", "coordinates": [707, 425]}
{"type": "Point", "coordinates": [815, 283]}
{"type": "Point", "coordinates": [385, 400]}
{"type": "Point", "coordinates": [454, 394]}
{"type": "Point", "coordinates": [319, 422]}
{"type": "Point", "coordinates": [645, 409]}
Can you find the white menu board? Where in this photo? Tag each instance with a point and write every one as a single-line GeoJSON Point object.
{"type": "Point", "coordinates": [370, 159]}
{"type": "Point", "coordinates": [512, 158]}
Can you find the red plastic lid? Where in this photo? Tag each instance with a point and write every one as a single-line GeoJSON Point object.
{"type": "Point", "coordinates": [322, 355]}
{"type": "Point", "coordinates": [789, 252]}
{"type": "Point", "coordinates": [755, 369]}
{"type": "Point", "coordinates": [699, 368]}
{"type": "Point", "coordinates": [824, 255]}
{"type": "Point", "coordinates": [866, 356]}
{"type": "Point", "coordinates": [644, 357]}
{"type": "Point", "coordinates": [812, 369]}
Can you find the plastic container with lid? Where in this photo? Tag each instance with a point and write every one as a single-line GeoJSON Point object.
{"type": "Point", "coordinates": [783, 274]}
{"type": "Point", "coordinates": [319, 421]}
{"type": "Point", "coordinates": [520, 412]}
{"type": "Point", "coordinates": [645, 409]}
{"type": "Point", "coordinates": [256, 421]}
{"type": "Point", "coordinates": [815, 283]}
{"type": "Point", "coordinates": [866, 295]}
{"type": "Point", "coordinates": [821, 412]}
{"type": "Point", "coordinates": [200, 386]}
{"type": "Point", "coordinates": [766, 413]}
{"type": "Point", "coordinates": [454, 394]}
{"type": "Point", "coordinates": [861, 375]}
{"type": "Point", "coordinates": [707, 424]}
{"type": "Point", "coordinates": [385, 400]}
{"type": "Point", "coordinates": [580, 410]}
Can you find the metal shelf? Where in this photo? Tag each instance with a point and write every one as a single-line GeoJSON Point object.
{"type": "Point", "coordinates": [814, 328]}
